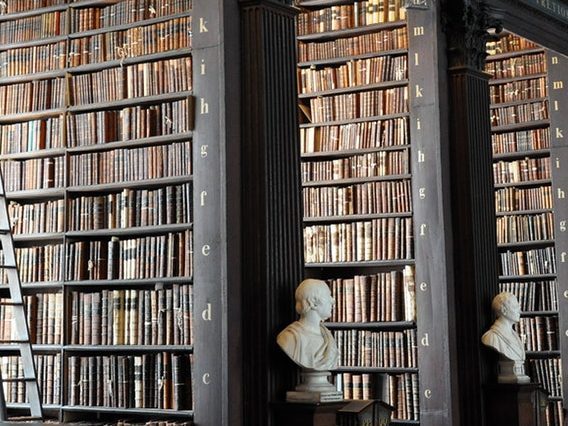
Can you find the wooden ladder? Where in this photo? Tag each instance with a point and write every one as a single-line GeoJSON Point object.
{"type": "Point", "coordinates": [20, 338]}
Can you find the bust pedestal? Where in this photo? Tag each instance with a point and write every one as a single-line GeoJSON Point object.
{"type": "Point", "coordinates": [515, 404]}
{"type": "Point", "coordinates": [307, 414]}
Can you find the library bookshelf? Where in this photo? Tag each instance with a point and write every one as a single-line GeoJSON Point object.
{"type": "Point", "coordinates": [526, 214]}
{"type": "Point", "coordinates": [366, 226]}
{"type": "Point", "coordinates": [96, 123]}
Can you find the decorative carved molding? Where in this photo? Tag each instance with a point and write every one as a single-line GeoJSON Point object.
{"type": "Point", "coordinates": [467, 26]}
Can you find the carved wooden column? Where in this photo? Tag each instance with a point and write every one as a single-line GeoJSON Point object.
{"type": "Point", "coordinates": [271, 221]}
{"type": "Point", "coordinates": [472, 198]}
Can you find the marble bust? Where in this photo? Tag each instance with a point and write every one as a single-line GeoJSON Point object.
{"type": "Point", "coordinates": [502, 338]}
{"type": "Point", "coordinates": [307, 341]}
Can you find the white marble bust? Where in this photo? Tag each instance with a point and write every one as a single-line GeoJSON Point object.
{"type": "Point", "coordinates": [503, 339]}
{"type": "Point", "coordinates": [307, 341]}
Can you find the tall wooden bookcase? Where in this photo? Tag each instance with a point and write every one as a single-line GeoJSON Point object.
{"type": "Point", "coordinates": [372, 185]}
{"type": "Point", "coordinates": [96, 123]}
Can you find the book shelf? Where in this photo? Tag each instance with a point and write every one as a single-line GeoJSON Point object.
{"type": "Point", "coordinates": [366, 226]}
{"type": "Point", "coordinates": [96, 130]}
{"type": "Point", "coordinates": [525, 203]}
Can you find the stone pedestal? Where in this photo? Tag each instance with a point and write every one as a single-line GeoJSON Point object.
{"type": "Point", "coordinates": [320, 414]}
{"type": "Point", "coordinates": [515, 404]}
{"type": "Point", "coordinates": [314, 388]}
{"type": "Point", "coordinates": [512, 372]}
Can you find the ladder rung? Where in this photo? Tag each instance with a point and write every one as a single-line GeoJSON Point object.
{"type": "Point", "coordinates": [19, 379]}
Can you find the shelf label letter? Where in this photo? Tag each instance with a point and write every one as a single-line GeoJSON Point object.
{"type": "Point", "coordinates": [424, 341]}
{"type": "Point", "coordinates": [428, 393]}
{"type": "Point", "coordinates": [557, 162]}
{"type": "Point", "coordinates": [556, 107]}
{"type": "Point", "coordinates": [206, 314]}
{"type": "Point", "coordinates": [561, 194]}
{"type": "Point", "coordinates": [416, 60]}
{"type": "Point", "coordinates": [423, 228]}
{"type": "Point", "coordinates": [203, 195]}
{"type": "Point", "coordinates": [555, 60]}
{"type": "Point", "coordinates": [566, 294]}
{"type": "Point", "coordinates": [418, 124]}
{"type": "Point", "coordinates": [203, 72]}
{"type": "Point", "coordinates": [559, 134]}
{"type": "Point", "coordinates": [562, 226]}
{"type": "Point", "coordinates": [203, 151]}
{"type": "Point", "coordinates": [202, 26]}
{"type": "Point", "coordinates": [563, 257]}
{"type": "Point", "coordinates": [557, 85]}
{"type": "Point", "coordinates": [204, 107]}
{"type": "Point", "coordinates": [423, 286]}
{"type": "Point", "coordinates": [421, 156]}
{"type": "Point", "coordinates": [422, 193]}
{"type": "Point", "coordinates": [419, 91]}
{"type": "Point", "coordinates": [418, 31]}
{"type": "Point", "coordinates": [206, 379]}
{"type": "Point", "coordinates": [205, 250]}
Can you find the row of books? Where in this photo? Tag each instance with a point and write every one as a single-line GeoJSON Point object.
{"type": "Point", "coordinates": [39, 263]}
{"type": "Point", "coordinates": [350, 16]}
{"type": "Point", "coordinates": [36, 218]}
{"type": "Point", "coordinates": [353, 73]}
{"type": "Point", "coordinates": [131, 208]}
{"type": "Point", "coordinates": [527, 169]}
{"type": "Point", "coordinates": [400, 391]}
{"type": "Point", "coordinates": [529, 262]}
{"type": "Point", "coordinates": [554, 413]}
{"type": "Point", "coordinates": [98, 127]}
{"type": "Point", "coordinates": [31, 135]}
{"type": "Point", "coordinates": [14, 6]}
{"type": "Point", "coordinates": [34, 59]}
{"type": "Point", "coordinates": [48, 369]}
{"type": "Point", "coordinates": [37, 95]}
{"type": "Point", "coordinates": [534, 295]}
{"type": "Point", "coordinates": [161, 380]}
{"type": "Point", "coordinates": [44, 314]}
{"type": "Point", "coordinates": [509, 43]}
{"type": "Point", "coordinates": [364, 198]}
{"type": "Point", "coordinates": [549, 373]}
{"type": "Point", "coordinates": [133, 317]}
{"type": "Point", "coordinates": [349, 106]}
{"type": "Point", "coordinates": [31, 28]}
{"type": "Point", "coordinates": [169, 255]}
{"type": "Point", "coordinates": [539, 333]}
{"type": "Point", "coordinates": [381, 163]}
{"type": "Point", "coordinates": [366, 348]}
{"type": "Point", "coordinates": [125, 165]}
{"type": "Point", "coordinates": [533, 88]}
{"type": "Point", "coordinates": [137, 80]}
{"type": "Point", "coordinates": [513, 229]}
{"type": "Point", "coordinates": [534, 111]}
{"type": "Point", "coordinates": [377, 239]}
{"type": "Point", "coordinates": [35, 173]}
{"type": "Point", "coordinates": [515, 199]}
{"type": "Point", "coordinates": [519, 66]}
{"type": "Point", "coordinates": [125, 12]}
{"type": "Point", "coordinates": [381, 297]}
{"type": "Point", "coordinates": [524, 140]}
{"type": "Point", "coordinates": [143, 40]}
{"type": "Point", "coordinates": [379, 41]}
{"type": "Point", "coordinates": [365, 135]}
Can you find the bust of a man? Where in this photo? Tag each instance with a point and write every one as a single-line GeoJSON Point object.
{"type": "Point", "coordinates": [307, 341]}
{"type": "Point", "coordinates": [501, 336]}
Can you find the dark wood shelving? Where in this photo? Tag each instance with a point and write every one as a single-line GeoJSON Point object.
{"type": "Point", "coordinates": [367, 29]}
{"type": "Point", "coordinates": [384, 325]}
{"type": "Point", "coordinates": [41, 153]}
{"type": "Point", "coordinates": [122, 232]}
{"type": "Point", "coordinates": [29, 116]}
{"type": "Point", "coordinates": [350, 152]}
{"type": "Point", "coordinates": [40, 237]}
{"type": "Point", "coordinates": [362, 264]}
{"type": "Point", "coordinates": [540, 182]}
{"type": "Point", "coordinates": [133, 143]}
{"type": "Point", "coordinates": [390, 370]}
{"type": "Point", "coordinates": [355, 89]}
{"type": "Point", "coordinates": [126, 348]}
{"type": "Point", "coordinates": [158, 412]}
{"type": "Point", "coordinates": [32, 43]}
{"type": "Point", "coordinates": [355, 120]}
{"type": "Point", "coordinates": [45, 75]}
{"type": "Point", "coordinates": [527, 125]}
{"type": "Point", "coordinates": [538, 313]}
{"type": "Point", "coordinates": [523, 212]}
{"type": "Point", "coordinates": [37, 194]}
{"type": "Point", "coordinates": [344, 59]}
{"type": "Point", "coordinates": [129, 102]}
{"type": "Point", "coordinates": [507, 55]}
{"type": "Point", "coordinates": [522, 154]}
{"type": "Point", "coordinates": [145, 183]}
{"type": "Point", "coordinates": [542, 354]}
{"type": "Point", "coordinates": [518, 102]}
{"type": "Point", "coordinates": [528, 277]}
{"type": "Point", "coordinates": [349, 181]}
{"type": "Point", "coordinates": [312, 3]}
{"type": "Point", "coordinates": [497, 81]}
{"type": "Point", "coordinates": [129, 282]}
{"type": "Point", "coordinates": [527, 244]}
